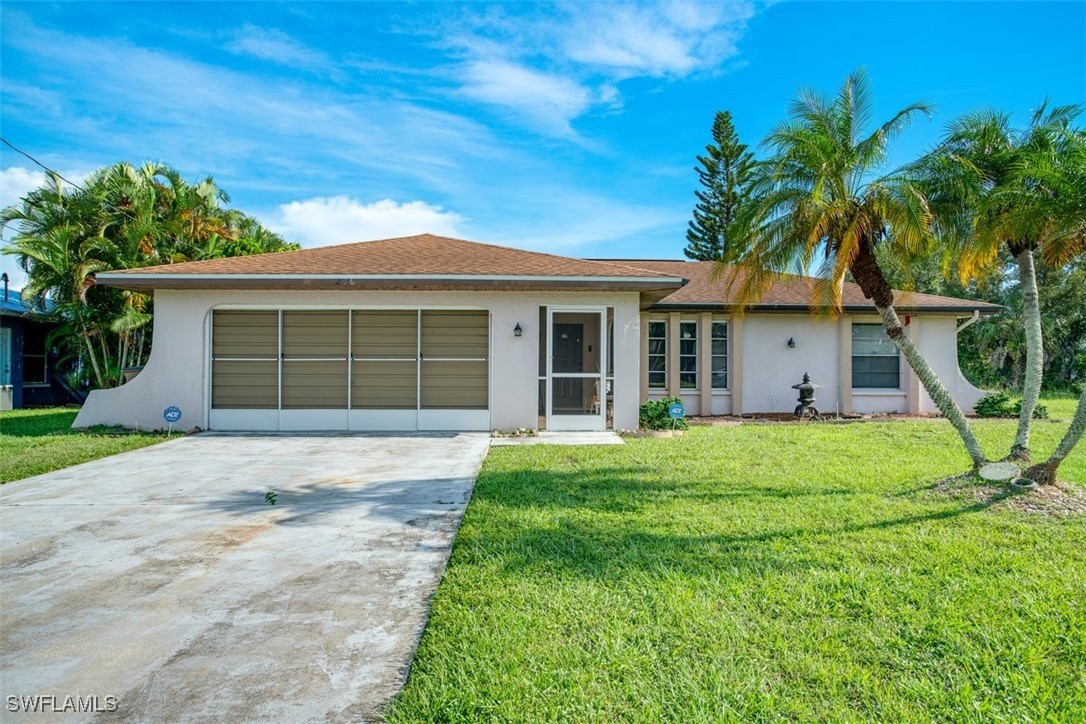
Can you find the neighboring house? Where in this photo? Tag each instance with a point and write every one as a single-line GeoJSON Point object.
{"type": "Point", "coordinates": [28, 376]}
{"type": "Point", "coordinates": [430, 333]}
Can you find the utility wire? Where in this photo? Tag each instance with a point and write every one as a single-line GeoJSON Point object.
{"type": "Point", "coordinates": [82, 188]}
{"type": "Point", "coordinates": [18, 150]}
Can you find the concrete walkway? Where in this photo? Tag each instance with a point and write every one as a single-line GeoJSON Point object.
{"type": "Point", "coordinates": [160, 577]}
{"type": "Point", "coordinates": [562, 438]}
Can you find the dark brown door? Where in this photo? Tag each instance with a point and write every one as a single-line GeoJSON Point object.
{"type": "Point", "coordinates": [568, 348]}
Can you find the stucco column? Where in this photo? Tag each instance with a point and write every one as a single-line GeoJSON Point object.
{"type": "Point", "coordinates": [643, 387]}
{"type": "Point", "coordinates": [629, 366]}
{"type": "Point", "coordinates": [705, 362]}
{"type": "Point", "coordinates": [844, 380]}
{"type": "Point", "coordinates": [735, 362]}
{"type": "Point", "coordinates": [673, 386]}
{"type": "Point", "coordinates": [912, 382]}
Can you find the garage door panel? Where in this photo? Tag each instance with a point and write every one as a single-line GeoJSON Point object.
{"type": "Point", "coordinates": [384, 385]}
{"type": "Point", "coordinates": [315, 334]}
{"type": "Point", "coordinates": [245, 334]}
{"type": "Point", "coordinates": [310, 366]}
{"type": "Point", "coordinates": [455, 334]}
{"type": "Point", "coordinates": [245, 384]}
{"type": "Point", "coordinates": [385, 335]}
{"type": "Point", "coordinates": [455, 385]}
{"type": "Point", "coordinates": [314, 385]}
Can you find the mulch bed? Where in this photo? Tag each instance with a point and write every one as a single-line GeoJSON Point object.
{"type": "Point", "coordinates": [1060, 500]}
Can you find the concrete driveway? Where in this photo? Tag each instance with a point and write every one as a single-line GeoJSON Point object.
{"type": "Point", "coordinates": [160, 577]}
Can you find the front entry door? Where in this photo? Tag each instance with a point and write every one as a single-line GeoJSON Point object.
{"type": "Point", "coordinates": [576, 358]}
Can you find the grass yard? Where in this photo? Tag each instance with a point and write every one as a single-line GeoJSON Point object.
{"type": "Point", "coordinates": [757, 573]}
{"type": "Point", "coordinates": [38, 440]}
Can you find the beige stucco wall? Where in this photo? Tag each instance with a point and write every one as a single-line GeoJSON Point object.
{"type": "Point", "coordinates": [762, 368]}
{"type": "Point", "coordinates": [178, 369]}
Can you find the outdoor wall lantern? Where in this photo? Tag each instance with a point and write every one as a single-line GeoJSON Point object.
{"type": "Point", "coordinates": [791, 343]}
{"type": "Point", "coordinates": [517, 330]}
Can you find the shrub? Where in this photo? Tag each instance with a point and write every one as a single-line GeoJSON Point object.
{"type": "Point", "coordinates": [999, 404]}
{"type": "Point", "coordinates": [653, 415]}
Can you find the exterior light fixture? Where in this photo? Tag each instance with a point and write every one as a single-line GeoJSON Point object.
{"type": "Point", "coordinates": [517, 330]}
{"type": "Point", "coordinates": [791, 343]}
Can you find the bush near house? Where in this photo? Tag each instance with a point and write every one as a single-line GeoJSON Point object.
{"type": "Point", "coordinates": [1000, 404]}
{"type": "Point", "coordinates": [654, 415]}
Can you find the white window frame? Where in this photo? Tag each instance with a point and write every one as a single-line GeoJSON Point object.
{"type": "Point", "coordinates": [662, 387]}
{"type": "Point", "coordinates": [853, 355]}
{"type": "Point", "coordinates": [726, 356]}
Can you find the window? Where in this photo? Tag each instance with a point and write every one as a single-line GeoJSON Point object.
{"type": "Point", "coordinates": [34, 367]}
{"type": "Point", "coordinates": [875, 360]}
{"type": "Point", "coordinates": [657, 354]}
{"type": "Point", "coordinates": [688, 355]}
{"type": "Point", "coordinates": [720, 355]}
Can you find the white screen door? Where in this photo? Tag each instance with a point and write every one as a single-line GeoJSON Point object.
{"type": "Point", "coordinates": [576, 368]}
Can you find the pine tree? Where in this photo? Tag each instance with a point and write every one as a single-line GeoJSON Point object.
{"type": "Point", "coordinates": [724, 173]}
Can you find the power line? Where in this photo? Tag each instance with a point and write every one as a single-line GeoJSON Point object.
{"type": "Point", "coordinates": [18, 150]}
{"type": "Point", "coordinates": [82, 188]}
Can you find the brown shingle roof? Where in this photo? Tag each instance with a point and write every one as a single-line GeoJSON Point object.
{"type": "Point", "coordinates": [702, 291]}
{"type": "Point", "coordinates": [424, 254]}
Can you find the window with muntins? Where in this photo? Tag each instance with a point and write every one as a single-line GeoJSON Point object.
{"type": "Point", "coordinates": [876, 363]}
{"type": "Point", "coordinates": [688, 355]}
{"type": "Point", "coordinates": [657, 354]}
{"type": "Point", "coordinates": [720, 356]}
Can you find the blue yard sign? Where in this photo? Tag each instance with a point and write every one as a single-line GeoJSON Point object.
{"type": "Point", "coordinates": [676, 410]}
{"type": "Point", "coordinates": [172, 414]}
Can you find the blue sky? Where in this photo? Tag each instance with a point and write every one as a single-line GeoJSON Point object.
{"type": "Point", "coordinates": [568, 127]}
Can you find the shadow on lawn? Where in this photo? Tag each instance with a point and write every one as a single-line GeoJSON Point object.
{"type": "Point", "coordinates": [601, 546]}
{"type": "Point", "coordinates": [53, 422]}
{"type": "Point", "coordinates": [624, 490]}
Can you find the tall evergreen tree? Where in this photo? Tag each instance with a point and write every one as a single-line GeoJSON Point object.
{"type": "Point", "coordinates": [724, 174]}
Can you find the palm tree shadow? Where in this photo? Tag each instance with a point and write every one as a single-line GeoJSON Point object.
{"type": "Point", "coordinates": [406, 501]}
{"type": "Point", "coordinates": [614, 546]}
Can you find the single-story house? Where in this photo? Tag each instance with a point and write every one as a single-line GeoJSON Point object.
{"type": "Point", "coordinates": [432, 333]}
{"type": "Point", "coordinates": [28, 363]}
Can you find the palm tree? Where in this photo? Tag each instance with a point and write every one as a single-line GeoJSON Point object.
{"type": "Point", "coordinates": [121, 217]}
{"type": "Point", "coordinates": [823, 200]}
{"type": "Point", "coordinates": [986, 184]}
{"type": "Point", "coordinates": [1062, 212]}
{"type": "Point", "coordinates": [58, 245]}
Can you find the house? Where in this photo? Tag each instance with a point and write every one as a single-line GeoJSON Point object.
{"type": "Point", "coordinates": [432, 333]}
{"type": "Point", "coordinates": [28, 364]}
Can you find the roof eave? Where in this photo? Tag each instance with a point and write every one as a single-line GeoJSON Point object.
{"type": "Point", "coordinates": [145, 282]}
{"type": "Point", "coordinates": [797, 308]}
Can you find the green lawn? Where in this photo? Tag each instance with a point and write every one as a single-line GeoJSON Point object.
{"type": "Point", "coordinates": [39, 440]}
{"type": "Point", "coordinates": [757, 573]}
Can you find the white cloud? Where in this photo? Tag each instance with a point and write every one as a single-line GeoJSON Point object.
{"type": "Point", "coordinates": [321, 221]}
{"type": "Point", "coordinates": [548, 101]}
{"type": "Point", "coordinates": [551, 70]}
{"type": "Point", "coordinates": [275, 46]}
{"type": "Point", "coordinates": [673, 39]}
{"type": "Point", "coordinates": [16, 182]}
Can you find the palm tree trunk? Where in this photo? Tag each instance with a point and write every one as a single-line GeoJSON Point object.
{"type": "Point", "coordinates": [95, 367]}
{"type": "Point", "coordinates": [868, 275]}
{"type": "Point", "coordinates": [1045, 473]}
{"type": "Point", "coordinates": [1031, 385]}
{"type": "Point", "coordinates": [126, 345]}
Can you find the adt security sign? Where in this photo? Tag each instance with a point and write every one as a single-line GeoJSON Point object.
{"type": "Point", "coordinates": [172, 414]}
{"type": "Point", "coordinates": [676, 410]}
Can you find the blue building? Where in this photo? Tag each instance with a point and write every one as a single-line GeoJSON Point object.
{"type": "Point", "coordinates": [28, 365]}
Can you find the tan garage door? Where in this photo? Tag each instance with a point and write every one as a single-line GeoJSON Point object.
{"type": "Point", "coordinates": [350, 370]}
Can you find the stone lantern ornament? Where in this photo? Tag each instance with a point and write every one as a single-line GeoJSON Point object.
{"type": "Point", "coordinates": [806, 398]}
